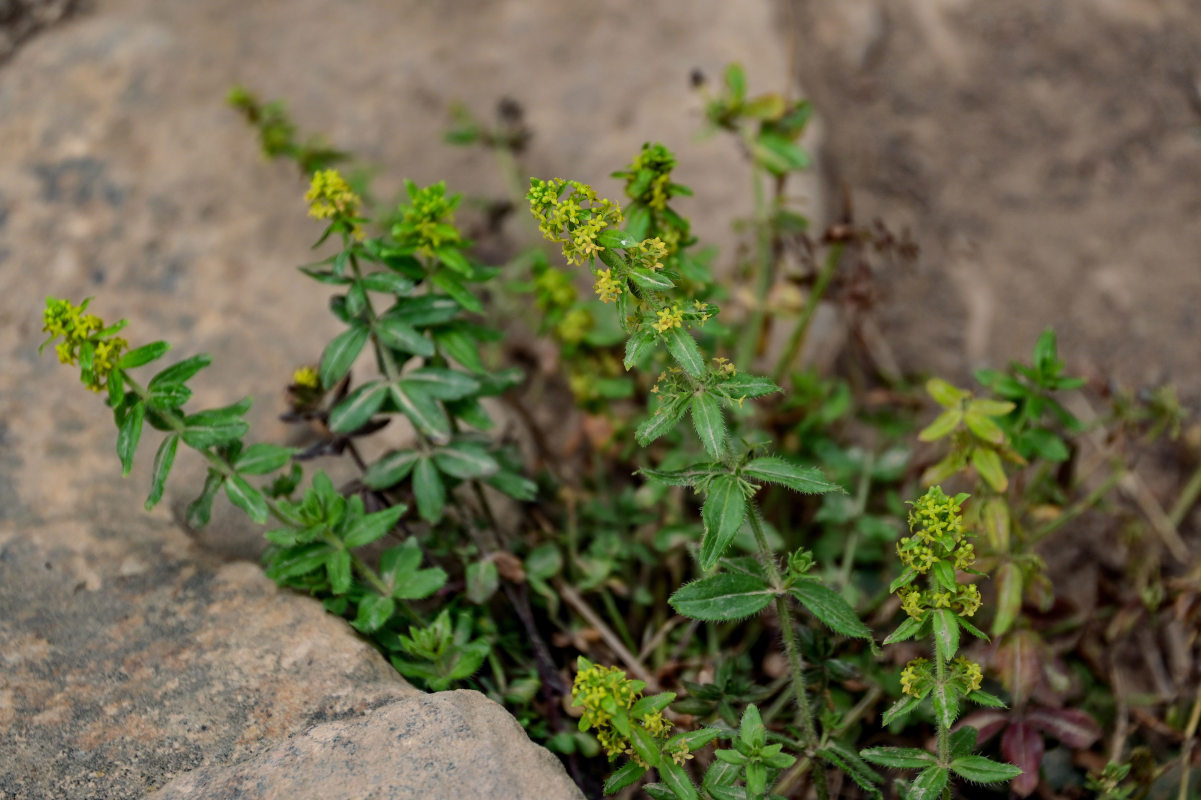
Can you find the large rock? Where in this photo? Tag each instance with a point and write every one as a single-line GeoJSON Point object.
{"type": "Point", "coordinates": [452, 744]}
{"type": "Point", "coordinates": [132, 651]}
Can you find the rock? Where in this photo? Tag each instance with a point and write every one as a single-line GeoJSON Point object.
{"type": "Point", "coordinates": [451, 744]}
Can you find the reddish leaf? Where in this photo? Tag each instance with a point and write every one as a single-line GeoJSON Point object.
{"type": "Point", "coordinates": [988, 723]}
{"type": "Point", "coordinates": [1018, 660]}
{"type": "Point", "coordinates": [1071, 726]}
{"type": "Point", "coordinates": [1022, 746]}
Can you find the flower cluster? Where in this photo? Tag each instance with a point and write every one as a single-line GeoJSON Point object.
{"type": "Point", "coordinates": [607, 287]}
{"type": "Point", "coordinates": [82, 338]}
{"type": "Point", "coordinates": [427, 220]}
{"type": "Point", "coordinates": [669, 318]}
{"type": "Point", "coordinates": [330, 196]}
{"type": "Point", "coordinates": [649, 254]}
{"type": "Point", "coordinates": [649, 175]}
{"type": "Point", "coordinates": [938, 537]}
{"type": "Point", "coordinates": [573, 215]}
{"type": "Point", "coordinates": [917, 679]}
{"type": "Point", "coordinates": [605, 693]}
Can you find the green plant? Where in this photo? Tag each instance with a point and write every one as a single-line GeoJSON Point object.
{"type": "Point", "coordinates": [936, 549]}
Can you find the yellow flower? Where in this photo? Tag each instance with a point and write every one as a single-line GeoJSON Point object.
{"type": "Point", "coordinates": [911, 676]}
{"type": "Point", "coordinates": [669, 318]}
{"type": "Point", "coordinates": [911, 604]}
{"type": "Point", "coordinates": [969, 672]}
{"type": "Point", "coordinates": [307, 377]}
{"type": "Point", "coordinates": [607, 287]}
{"type": "Point", "coordinates": [329, 195]}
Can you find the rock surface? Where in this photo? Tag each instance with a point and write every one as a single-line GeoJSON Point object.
{"type": "Point", "coordinates": [451, 744]}
{"type": "Point", "coordinates": [131, 651]}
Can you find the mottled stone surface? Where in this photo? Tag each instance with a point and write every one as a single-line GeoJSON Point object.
{"type": "Point", "coordinates": [451, 744]}
{"type": "Point", "coordinates": [132, 652]}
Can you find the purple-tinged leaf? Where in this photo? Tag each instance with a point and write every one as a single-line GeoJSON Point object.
{"type": "Point", "coordinates": [1073, 727]}
{"type": "Point", "coordinates": [1022, 746]}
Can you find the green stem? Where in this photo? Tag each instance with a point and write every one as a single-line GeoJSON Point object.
{"type": "Point", "coordinates": [795, 664]}
{"type": "Point", "coordinates": [765, 272]}
{"type": "Point", "coordinates": [797, 339]}
{"type": "Point", "coordinates": [944, 731]}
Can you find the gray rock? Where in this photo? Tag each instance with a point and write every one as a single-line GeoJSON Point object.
{"type": "Point", "coordinates": [446, 745]}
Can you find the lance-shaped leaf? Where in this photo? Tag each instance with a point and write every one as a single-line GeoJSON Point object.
{"type": "Point", "coordinates": [465, 461]}
{"type": "Point", "coordinates": [1073, 727]}
{"type": "Point", "coordinates": [422, 410]}
{"type": "Point", "coordinates": [898, 757]}
{"type": "Point", "coordinates": [710, 427]}
{"type": "Point", "coordinates": [650, 281]}
{"type": "Point", "coordinates": [946, 394]}
{"type": "Point", "coordinates": [666, 415]}
{"type": "Point", "coordinates": [340, 353]}
{"type": "Point", "coordinates": [128, 435]}
{"type": "Point", "coordinates": [723, 513]}
{"type": "Point", "coordinates": [453, 285]}
{"type": "Point", "coordinates": [429, 490]}
{"type": "Point", "coordinates": [676, 779]}
{"type": "Point", "coordinates": [744, 387]}
{"type": "Point", "coordinates": [684, 350]}
{"type": "Point", "coordinates": [373, 613]}
{"type": "Point", "coordinates": [638, 346]}
{"type": "Point", "coordinates": [387, 283]}
{"type": "Point", "coordinates": [262, 458]}
{"type": "Point", "coordinates": [626, 776]}
{"type": "Point", "coordinates": [199, 510]}
{"type": "Point", "coordinates": [829, 607]}
{"type": "Point", "coordinates": [143, 355]}
{"type": "Point", "coordinates": [164, 457]}
{"type": "Point", "coordinates": [773, 469]}
{"type": "Point", "coordinates": [849, 762]}
{"type": "Point", "coordinates": [391, 469]}
{"type": "Point", "coordinates": [367, 529]}
{"type": "Point", "coordinates": [442, 383]}
{"type": "Point", "coordinates": [988, 464]}
{"type": "Point", "coordinates": [979, 769]}
{"type": "Point", "coordinates": [216, 426]}
{"type": "Point", "coordinates": [181, 372]}
{"type": "Point", "coordinates": [357, 408]}
{"type": "Point", "coordinates": [247, 498]}
{"type": "Point", "coordinates": [399, 335]}
{"type": "Point", "coordinates": [1009, 597]}
{"type": "Point", "coordinates": [929, 784]}
{"type": "Point", "coordinates": [681, 477]}
{"type": "Point", "coordinates": [942, 425]}
{"type": "Point", "coordinates": [1023, 747]}
{"type": "Point", "coordinates": [946, 632]}
{"type": "Point", "coordinates": [722, 597]}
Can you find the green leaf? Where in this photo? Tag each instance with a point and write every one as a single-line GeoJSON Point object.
{"type": "Point", "coordinates": [166, 396]}
{"type": "Point", "coordinates": [181, 372]}
{"type": "Point", "coordinates": [944, 575]}
{"type": "Point", "coordinates": [723, 513]}
{"type": "Point", "coordinates": [679, 477]}
{"type": "Point", "coordinates": [429, 490]}
{"type": "Point", "coordinates": [423, 411]}
{"type": "Point", "coordinates": [722, 597]}
{"type": "Point", "coordinates": [357, 408]}
{"type": "Point", "coordinates": [420, 585]}
{"type": "Point", "coordinates": [849, 762]}
{"type": "Point", "coordinates": [450, 283]}
{"type": "Point", "coordinates": [677, 780]}
{"type": "Point", "coordinates": [929, 785]}
{"type": "Point", "coordinates": [337, 568]}
{"type": "Point", "coordinates": [461, 347]}
{"type": "Point", "coordinates": [778, 155]}
{"type": "Point", "coordinates": [515, 486]}
{"type": "Point", "coordinates": [465, 461]}
{"type": "Point", "coordinates": [985, 699]}
{"type": "Point", "coordinates": [262, 458]}
{"type": "Point", "coordinates": [946, 632]}
{"type": "Point", "coordinates": [988, 464]}
{"type": "Point", "coordinates": [972, 629]}
{"type": "Point", "coordinates": [898, 757]}
{"type": "Point", "coordinates": [373, 613]}
{"type": "Point", "coordinates": [666, 415]}
{"type": "Point", "coordinates": [340, 353]}
{"type": "Point", "coordinates": [398, 335]}
{"type": "Point", "coordinates": [367, 529]}
{"type": "Point", "coordinates": [943, 424]}
{"type": "Point", "coordinates": [710, 426]}
{"type": "Point", "coordinates": [1009, 597]}
{"type": "Point", "coordinates": [452, 257]}
{"type": "Point", "coordinates": [963, 741]}
{"type": "Point", "coordinates": [907, 577]}
{"type": "Point", "coordinates": [829, 607]}
{"type": "Point", "coordinates": [946, 394]}
{"type": "Point", "coordinates": [735, 79]}
{"type": "Point", "coordinates": [900, 709]}
{"type": "Point", "coordinates": [543, 562]}
{"type": "Point", "coordinates": [164, 457]}
{"type": "Point", "coordinates": [906, 630]}
{"type": "Point", "coordinates": [743, 386]}
{"type": "Point", "coordinates": [483, 579]}
{"type": "Point", "coordinates": [199, 510]}
{"type": "Point", "coordinates": [387, 283]}
{"type": "Point", "coordinates": [946, 704]}
{"type": "Point", "coordinates": [626, 776]}
{"type": "Point", "coordinates": [684, 350]}
{"type": "Point", "coordinates": [640, 343]}
{"type": "Point", "coordinates": [984, 770]}
{"type": "Point", "coordinates": [128, 435]}
{"type": "Point", "coordinates": [216, 427]}
{"type": "Point", "coordinates": [982, 427]}
{"type": "Point", "coordinates": [424, 311]}
{"type": "Point", "coordinates": [772, 469]}
{"type": "Point", "coordinates": [391, 469]}
{"type": "Point", "coordinates": [247, 498]}
{"type": "Point", "coordinates": [143, 355]}
{"type": "Point", "coordinates": [296, 561]}
{"type": "Point", "coordinates": [650, 281]}
{"type": "Point", "coordinates": [644, 745]}
{"type": "Point", "coordinates": [442, 383]}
